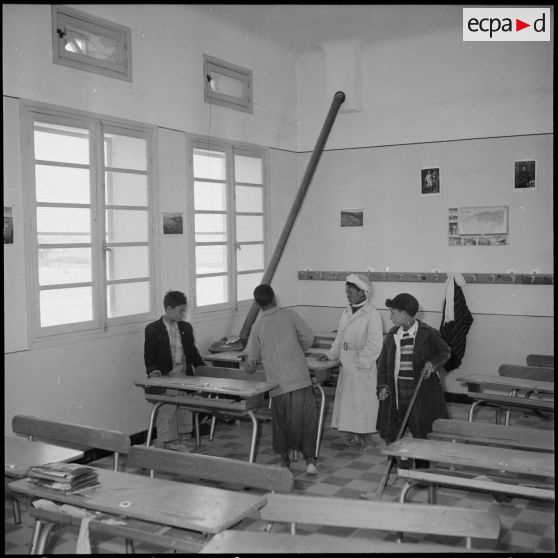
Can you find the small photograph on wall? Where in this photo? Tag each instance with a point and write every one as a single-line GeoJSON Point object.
{"type": "Point", "coordinates": [8, 226]}
{"type": "Point", "coordinates": [478, 226]}
{"type": "Point", "coordinates": [430, 181]}
{"type": "Point", "coordinates": [525, 175]}
{"type": "Point", "coordinates": [172, 223]}
{"type": "Point", "coordinates": [352, 217]}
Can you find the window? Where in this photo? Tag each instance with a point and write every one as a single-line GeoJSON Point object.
{"type": "Point", "coordinates": [226, 84]}
{"type": "Point", "coordinates": [89, 43]}
{"type": "Point", "coordinates": [89, 199]}
{"type": "Point", "coordinates": [229, 189]}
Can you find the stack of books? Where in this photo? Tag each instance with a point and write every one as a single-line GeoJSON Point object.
{"type": "Point", "coordinates": [66, 477]}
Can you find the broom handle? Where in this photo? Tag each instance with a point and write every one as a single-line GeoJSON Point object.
{"type": "Point", "coordinates": [391, 459]}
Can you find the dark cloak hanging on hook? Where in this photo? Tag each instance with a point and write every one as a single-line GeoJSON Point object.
{"type": "Point", "coordinates": [455, 332]}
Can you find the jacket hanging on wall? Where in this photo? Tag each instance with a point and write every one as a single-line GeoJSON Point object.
{"type": "Point", "coordinates": [456, 320]}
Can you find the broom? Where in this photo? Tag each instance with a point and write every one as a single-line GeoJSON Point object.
{"type": "Point", "coordinates": [391, 459]}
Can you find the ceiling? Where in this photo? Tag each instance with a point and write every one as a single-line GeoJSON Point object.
{"type": "Point", "coordinates": [302, 26]}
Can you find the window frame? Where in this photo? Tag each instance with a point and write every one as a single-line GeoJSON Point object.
{"type": "Point", "coordinates": [229, 70]}
{"type": "Point", "coordinates": [231, 149]}
{"type": "Point", "coordinates": [92, 24]}
{"type": "Point", "coordinates": [100, 325]}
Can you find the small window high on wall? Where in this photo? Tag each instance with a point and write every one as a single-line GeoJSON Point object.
{"type": "Point", "coordinates": [89, 239]}
{"type": "Point", "coordinates": [89, 43]}
{"type": "Point", "coordinates": [229, 189]}
{"type": "Point", "coordinates": [226, 84]}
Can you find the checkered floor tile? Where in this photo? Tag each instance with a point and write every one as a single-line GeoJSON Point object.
{"type": "Point", "coordinates": [527, 526]}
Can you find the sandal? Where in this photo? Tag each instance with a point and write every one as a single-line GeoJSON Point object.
{"type": "Point", "coordinates": [352, 440]}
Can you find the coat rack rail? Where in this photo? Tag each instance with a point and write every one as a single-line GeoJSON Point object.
{"type": "Point", "coordinates": [432, 277]}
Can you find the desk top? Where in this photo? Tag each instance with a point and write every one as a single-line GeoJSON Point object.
{"type": "Point", "coordinates": [176, 504]}
{"type": "Point", "coordinates": [471, 455]}
{"type": "Point", "coordinates": [206, 384]}
{"type": "Point", "coordinates": [21, 453]}
{"type": "Point", "coordinates": [240, 542]}
{"type": "Point", "coordinates": [508, 382]}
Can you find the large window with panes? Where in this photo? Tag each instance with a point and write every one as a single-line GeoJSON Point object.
{"type": "Point", "coordinates": [89, 191]}
{"type": "Point", "coordinates": [228, 222]}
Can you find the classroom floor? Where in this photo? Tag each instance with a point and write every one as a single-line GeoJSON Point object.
{"type": "Point", "coordinates": [345, 472]}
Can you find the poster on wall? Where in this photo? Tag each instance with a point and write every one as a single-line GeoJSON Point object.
{"type": "Point", "coordinates": [352, 217]}
{"type": "Point", "coordinates": [430, 181]}
{"type": "Point", "coordinates": [172, 223]}
{"type": "Point", "coordinates": [478, 226]}
{"type": "Point", "coordinates": [8, 226]}
{"type": "Point", "coordinates": [524, 172]}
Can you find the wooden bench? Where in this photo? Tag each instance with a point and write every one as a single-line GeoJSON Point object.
{"type": "Point", "coordinates": [508, 403]}
{"type": "Point", "coordinates": [495, 435]}
{"type": "Point", "coordinates": [73, 435]}
{"type": "Point", "coordinates": [251, 542]}
{"type": "Point", "coordinates": [546, 361]}
{"type": "Point", "coordinates": [381, 516]}
{"type": "Point", "coordinates": [499, 470]}
{"type": "Point", "coordinates": [541, 373]}
{"type": "Point", "coordinates": [217, 469]}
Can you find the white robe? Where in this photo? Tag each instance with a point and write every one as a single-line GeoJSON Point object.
{"type": "Point", "coordinates": [357, 346]}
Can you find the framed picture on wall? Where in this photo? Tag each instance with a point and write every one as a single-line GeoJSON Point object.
{"type": "Point", "coordinates": [430, 181]}
{"type": "Point", "coordinates": [8, 226]}
{"type": "Point", "coordinates": [352, 217]}
{"type": "Point", "coordinates": [524, 174]}
{"type": "Point", "coordinates": [172, 223]}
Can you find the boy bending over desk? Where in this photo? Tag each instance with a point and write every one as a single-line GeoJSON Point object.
{"type": "Point", "coordinates": [170, 350]}
{"type": "Point", "coordinates": [279, 340]}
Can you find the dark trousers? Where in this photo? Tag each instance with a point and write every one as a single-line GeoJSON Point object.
{"type": "Point", "coordinates": [295, 422]}
{"type": "Point", "coordinates": [406, 388]}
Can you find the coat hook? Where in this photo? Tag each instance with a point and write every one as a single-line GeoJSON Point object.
{"type": "Point", "coordinates": [419, 277]}
{"type": "Point", "coordinates": [493, 277]}
{"type": "Point", "coordinates": [401, 277]}
{"type": "Point", "coordinates": [533, 276]}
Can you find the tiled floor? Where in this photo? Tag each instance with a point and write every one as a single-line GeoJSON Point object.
{"type": "Point", "coordinates": [527, 526]}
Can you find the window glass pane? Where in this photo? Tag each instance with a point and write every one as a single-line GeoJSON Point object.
{"type": "Point", "coordinates": [250, 256]}
{"type": "Point", "coordinates": [226, 85]}
{"type": "Point", "coordinates": [210, 227]}
{"type": "Point", "coordinates": [61, 143]}
{"type": "Point", "coordinates": [126, 299]}
{"type": "Point", "coordinates": [249, 199]}
{"type": "Point", "coordinates": [245, 285]}
{"type": "Point", "coordinates": [125, 189]}
{"type": "Point", "coordinates": [64, 265]}
{"type": "Point", "coordinates": [211, 259]}
{"type": "Point", "coordinates": [126, 225]}
{"type": "Point", "coordinates": [211, 290]}
{"type": "Point", "coordinates": [101, 47]}
{"type": "Point", "coordinates": [63, 225]}
{"type": "Point", "coordinates": [248, 169]}
{"type": "Point", "coordinates": [127, 262]}
{"type": "Point", "coordinates": [209, 164]}
{"type": "Point", "coordinates": [210, 196]}
{"type": "Point", "coordinates": [249, 228]}
{"type": "Point", "coordinates": [66, 306]}
{"type": "Point", "coordinates": [125, 152]}
{"type": "Point", "coordinates": [61, 184]}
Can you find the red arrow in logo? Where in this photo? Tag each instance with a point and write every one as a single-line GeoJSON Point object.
{"type": "Point", "coordinates": [519, 25]}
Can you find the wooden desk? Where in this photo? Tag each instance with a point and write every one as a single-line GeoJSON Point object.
{"type": "Point", "coordinates": [203, 509]}
{"type": "Point", "coordinates": [232, 397]}
{"type": "Point", "coordinates": [515, 385]}
{"type": "Point", "coordinates": [320, 372]}
{"type": "Point", "coordinates": [518, 467]}
{"type": "Point", "coordinates": [509, 383]}
{"type": "Point", "coordinates": [21, 453]}
{"type": "Point", "coordinates": [240, 542]}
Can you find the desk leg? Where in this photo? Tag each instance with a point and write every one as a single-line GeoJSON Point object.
{"type": "Point", "coordinates": [321, 419]}
{"type": "Point", "coordinates": [43, 539]}
{"type": "Point", "coordinates": [404, 491]}
{"type": "Point", "coordinates": [472, 409]}
{"type": "Point", "coordinates": [254, 436]}
{"type": "Point", "coordinates": [35, 538]}
{"type": "Point", "coordinates": [154, 412]}
{"type": "Point", "coordinates": [197, 423]}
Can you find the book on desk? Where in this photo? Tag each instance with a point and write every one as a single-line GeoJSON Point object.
{"type": "Point", "coordinates": [65, 477]}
